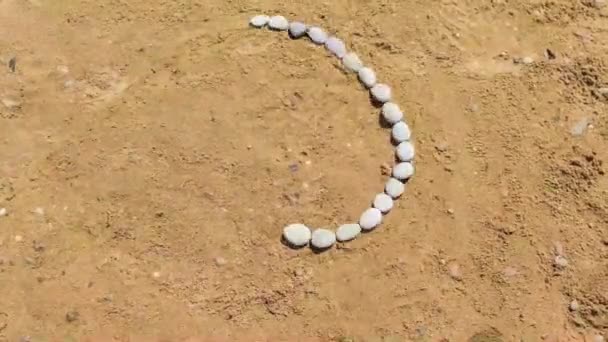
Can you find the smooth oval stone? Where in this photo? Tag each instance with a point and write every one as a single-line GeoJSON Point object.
{"type": "Point", "coordinates": [317, 35]}
{"type": "Point", "coordinates": [391, 113]}
{"type": "Point", "coordinates": [405, 151]}
{"type": "Point", "coordinates": [403, 170]}
{"type": "Point", "coordinates": [323, 238]}
{"type": "Point", "coordinates": [352, 62]}
{"type": "Point", "coordinates": [394, 188]}
{"type": "Point", "coordinates": [381, 92]}
{"type": "Point", "coordinates": [370, 219]}
{"type": "Point", "coordinates": [297, 234]}
{"type": "Point", "coordinates": [383, 202]}
{"type": "Point", "coordinates": [278, 22]}
{"type": "Point", "coordinates": [401, 132]}
{"type": "Point", "coordinates": [259, 20]}
{"type": "Point", "coordinates": [347, 232]}
{"type": "Point", "coordinates": [297, 29]}
{"type": "Point", "coordinates": [367, 76]}
{"type": "Point", "coordinates": [336, 46]}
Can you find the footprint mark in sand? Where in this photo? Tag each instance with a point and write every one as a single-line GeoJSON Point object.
{"type": "Point", "coordinates": [299, 235]}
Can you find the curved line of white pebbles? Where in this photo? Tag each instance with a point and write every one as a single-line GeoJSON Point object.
{"type": "Point", "coordinates": [299, 235]}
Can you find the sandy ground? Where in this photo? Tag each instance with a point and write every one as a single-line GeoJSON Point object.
{"type": "Point", "coordinates": [147, 168]}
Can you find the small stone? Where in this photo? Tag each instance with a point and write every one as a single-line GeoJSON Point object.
{"type": "Point", "coordinates": [18, 238]}
{"type": "Point", "coordinates": [599, 338]}
{"type": "Point", "coordinates": [297, 29]}
{"type": "Point", "coordinates": [574, 305]}
{"type": "Point", "coordinates": [323, 239]}
{"type": "Point", "coordinates": [39, 211]}
{"type": "Point", "coordinates": [12, 64]}
{"type": "Point", "coordinates": [3, 212]}
{"type": "Point", "coordinates": [370, 219]}
{"type": "Point", "coordinates": [580, 127]}
{"type": "Point", "coordinates": [405, 151]}
{"type": "Point", "coordinates": [219, 261]}
{"type": "Point", "coordinates": [317, 35]}
{"type": "Point", "coordinates": [385, 169]}
{"type": "Point", "coordinates": [403, 171]}
{"type": "Point", "coordinates": [72, 316]}
{"type": "Point", "coordinates": [63, 69]}
{"type": "Point", "coordinates": [367, 76]}
{"type": "Point", "coordinates": [297, 234]}
{"type": "Point", "coordinates": [558, 248]}
{"type": "Point", "coordinates": [259, 21]}
{"type": "Point", "coordinates": [454, 271]}
{"type": "Point", "coordinates": [381, 92]}
{"type": "Point", "coordinates": [347, 232]}
{"type": "Point", "coordinates": [527, 60]}
{"type": "Point", "coordinates": [278, 22]}
{"type": "Point", "coordinates": [451, 211]}
{"type": "Point", "coordinates": [394, 188]}
{"type": "Point", "coordinates": [383, 202]}
{"type": "Point", "coordinates": [352, 62]}
{"type": "Point", "coordinates": [401, 132]}
{"type": "Point", "coordinates": [560, 262]}
{"type": "Point", "coordinates": [391, 113]}
{"type": "Point", "coordinates": [10, 103]}
{"type": "Point", "coordinates": [156, 275]}
{"type": "Point", "coordinates": [336, 46]}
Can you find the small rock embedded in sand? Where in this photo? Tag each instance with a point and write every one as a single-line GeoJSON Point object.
{"type": "Point", "coordinates": [317, 35]}
{"type": "Point", "coordinates": [401, 132]}
{"type": "Point", "coordinates": [403, 171]}
{"type": "Point", "coordinates": [367, 76]}
{"type": "Point", "coordinates": [72, 316]}
{"type": "Point", "coordinates": [599, 338]}
{"type": "Point", "coordinates": [18, 238]}
{"type": "Point", "coordinates": [259, 21]}
{"type": "Point", "coordinates": [278, 22]}
{"type": "Point", "coordinates": [391, 113]}
{"type": "Point", "coordinates": [297, 29]}
{"type": "Point", "coordinates": [352, 62]}
{"type": "Point", "coordinates": [219, 261]}
{"type": "Point", "coordinates": [574, 305]}
{"type": "Point", "coordinates": [454, 271]}
{"type": "Point", "coordinates": [580, 127]}
{"type": "Point", "coordinates": [383, 202]}
{"type": "Point", "coordinates": [156, 275]}
{"type": "Point", "coordinates": [347, 232]}
{"type": "Point", "coordinates": [323, 239]}
{"type": "Point", "coordinates": [527, 60]}
{"type": "Point", "coordinates": [297, 234]}
{"type": "Point", "coordinates": [39, 211]}
{"type": "Point", "coordinates": [10, 103]}
{"type": "Point", "coordinates": [336, 46]}
{"type": "Point", "coordinates": [405, 151]}
{"type": "Point", "coordinates": [3, 212]}
{"type": "Point", "coordinates": [394, 188]}
{"type": "Point", "coordinates": [560, 262]}
{"type": "Point", "coordinates": [381, 92]}
{"type": "Point", "coordinates": [370, 219]}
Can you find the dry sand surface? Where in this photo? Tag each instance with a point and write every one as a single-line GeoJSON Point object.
{"type": "Point", "coordinates": [152, 152]}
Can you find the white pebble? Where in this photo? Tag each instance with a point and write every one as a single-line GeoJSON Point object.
{"type": "Point", "coordinates": [278, 22]}
{"type": "Point", "coordinates": [297, 234]}
{"type": "Point", "coordinates": [259, 21]}
{"type": "Point", "coordinates": [156, 274]}
{"type": "Point", "coordinates": [336, 46]}
{"type": "Point", "coordinates": [403, 170]}
{"type": "Point", "coordinates": [383, 202]}
{"type": "Point", "coordinates": [367, 76]}
{"type": "Point", "coordinates": [18, 238]}
{"type": "Point", "coordinates": [317, 35]}
{"type": "Point", "coordinates": [405, 151]}
{"type": "Point", "coordinates": [370, 219]}
{"type": "Point", "coordinates": [352, 62]}
{"type": "Point", "coordinates": [401, 132]}
{"type": "Point", "coordinates": [347, 232]}
{"type": "Point", "coordinates": [323, 238]}
{"type": "Point", "coordinates": [391, 113]}
{"type": "Point", "coordinates": [3, 212]}
{"type": "Point", "coordinates": [381, 92]}
{"type": "Point", "coordinates": [560, 262]}
{"type": "Point", "coordinates": [394, 188]}
{"type": "Point", "coordinates": [297, 29]}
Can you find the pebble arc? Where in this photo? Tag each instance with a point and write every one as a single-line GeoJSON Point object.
{"type": "Point", "coordinates": [370, 219]}
{"type": "Point", "coordinates": [405, 151]}
{"type": "Point", "coordinates": [297, 234]}
{"type": "Point", "coordinates": [403, 170]}
{"type": "Point", "coordinates": [323, 238]}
